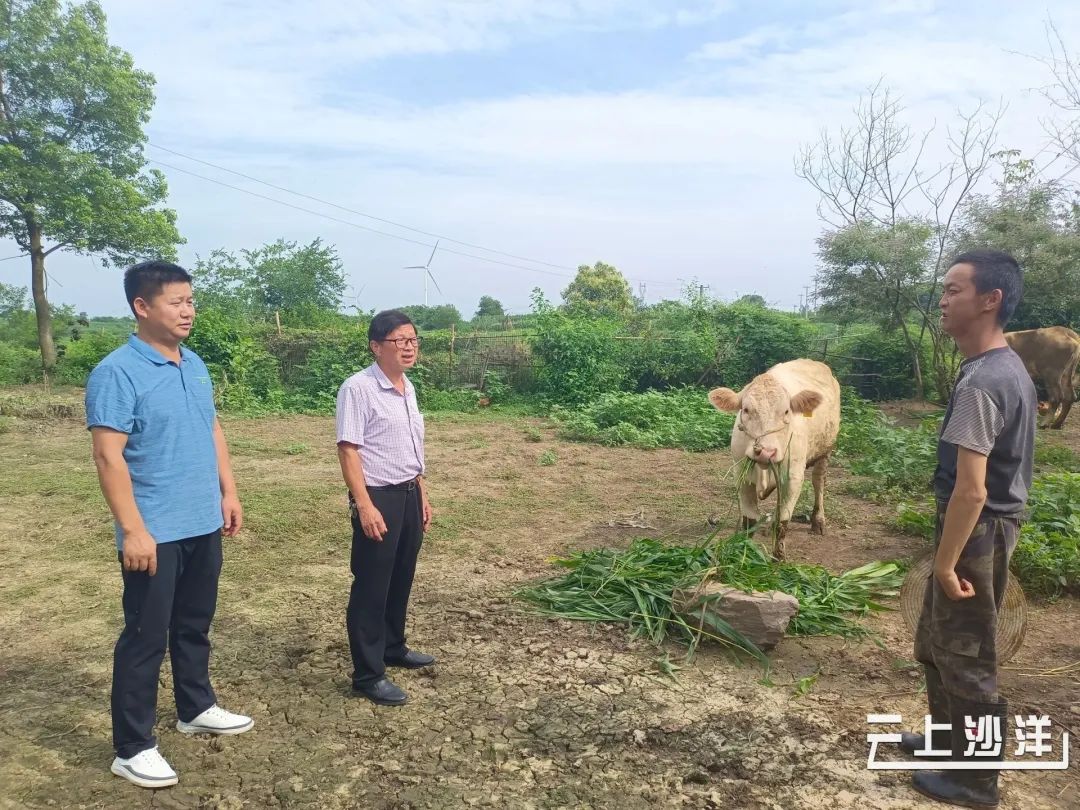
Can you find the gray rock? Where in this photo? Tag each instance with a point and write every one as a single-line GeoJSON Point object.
{"type": "Point", "coordinates": [762, 617]}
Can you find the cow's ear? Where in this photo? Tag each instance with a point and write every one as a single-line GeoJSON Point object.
{"type": "Point", "coordinates": [805, 402]}
{"type": "Point", "coordinates": [724, 399]}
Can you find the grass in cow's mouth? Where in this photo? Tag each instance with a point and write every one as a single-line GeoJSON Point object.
{"type": "Point", "coordinates": [636, 586]}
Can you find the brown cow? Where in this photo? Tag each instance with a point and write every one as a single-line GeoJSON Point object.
{"type": "Point", "coordinates": [1050, 356]}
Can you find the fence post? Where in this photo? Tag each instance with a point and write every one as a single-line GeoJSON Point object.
{"type": "Point", "coordinates": [450, 373]}
{"type": "Point", "coordinates": [277, 320]}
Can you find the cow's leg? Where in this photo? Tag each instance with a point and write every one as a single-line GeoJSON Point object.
{"type": "Point", "coordinates": [1059, 420]}
{"type": "Point", "coordinates": [797, 474]}
{"type": "Point", "coordinates": [1054, 396]}
{"type": "Point", "coordinates": [748, 505]}
{"type": "Point", "coordinates": [817, 519]}
{"type": "Point", "coordinates": [1066, 391]}
{"type": "Point", "coordinates": [778, 544]}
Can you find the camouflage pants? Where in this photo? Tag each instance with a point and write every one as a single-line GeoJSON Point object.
{"type": "Point", "coordinates": [959, 639]}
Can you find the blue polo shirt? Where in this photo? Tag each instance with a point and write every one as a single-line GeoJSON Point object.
{"type": "Point", "coordinates": [167, 410]}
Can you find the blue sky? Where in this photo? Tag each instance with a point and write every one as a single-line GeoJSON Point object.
{"type": "Point", "coordinates": [656, 136]}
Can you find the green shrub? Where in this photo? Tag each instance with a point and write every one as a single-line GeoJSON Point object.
{"type": "Point", "coordinates": [1056, 457]}
{"type": "Point", "coordinates": [19, 365]}
{"type": "Point", "coordinates": [659, 361]}
{"type": "Point", "coordinates": [576, 359]}
{"type": "Point", "coordinates": [336, 357]}
{"type": "Point", "coordinates": [682, 418]}
{"type": "Point", "coordinates": [80, 356]}
{"type": "Point", "coordinates": [752, 339]}
{"type": "Point", "coordinates": [246, 376]}
{"type": "Point", "coordinates": [894, 462]}
{"type": "Point", "coordinates": [1047, 556]}
{"type": "Point", "coordinates": [879, 353]}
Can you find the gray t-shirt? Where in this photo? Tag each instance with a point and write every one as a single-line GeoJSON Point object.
{"type": "Point", "coordinates": [992, 411]}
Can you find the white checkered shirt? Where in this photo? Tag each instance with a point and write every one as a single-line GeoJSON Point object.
{"type": "Point", "coordinates": [387, 426]}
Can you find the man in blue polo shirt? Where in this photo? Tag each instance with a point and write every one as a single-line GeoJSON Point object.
{"type": "Point", "coordinates": [164, 469]}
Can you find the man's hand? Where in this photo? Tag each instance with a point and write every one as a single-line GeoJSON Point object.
{"type": "Point", "coordinates": [140, 552]}
{"type": "Point", "coordinates": [371, 521]}
{"type": "Point", "coordinates": [954, 587]}
{"type": "Point", "coordinates": [428, 512]}
{"type": "Point", "coordinates": [232, 515]}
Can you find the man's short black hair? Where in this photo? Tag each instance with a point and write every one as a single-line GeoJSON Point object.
{"type": "Point", "coordinates": [386, 322]}
{"type": "Point", "coordinates": [145, 279]}
{"type": "Point", "coordinates": [996, 270]}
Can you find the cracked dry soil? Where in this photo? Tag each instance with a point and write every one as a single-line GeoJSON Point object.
{"type": "Point", "coordinates": [520, 711]}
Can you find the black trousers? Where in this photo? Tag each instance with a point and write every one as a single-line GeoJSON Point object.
{"type": "Point", "coordinates": [172, 609]}
{"type": "Point", "coordinates": [382, 581]}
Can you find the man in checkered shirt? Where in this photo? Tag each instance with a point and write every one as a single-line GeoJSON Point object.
{"type": "Point", "coordinates": [380, 439]}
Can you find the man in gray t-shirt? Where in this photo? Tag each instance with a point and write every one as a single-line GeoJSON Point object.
{"type": "Point", "coordinates": [985, 454]}
{"type": "Point", "coordinates": [992, 412]}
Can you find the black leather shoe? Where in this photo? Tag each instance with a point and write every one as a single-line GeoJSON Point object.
{"type": "Point", "coordinates": [411, 660]}
{"type": "Point", "coordinates": [382, 692]}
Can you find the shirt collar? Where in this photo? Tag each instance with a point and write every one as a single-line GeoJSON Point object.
{"type": "Point", "coordinates": [152, 354]}
{"type": "Point", "coordinates": [384, 381]}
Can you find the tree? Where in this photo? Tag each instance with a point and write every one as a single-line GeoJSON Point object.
{"type": "Point", "coordinates": [1063, 93]}
{"type": "Point", "coordinates": [753, 300]}
{"type": "Point", "coordinates": [600, 291]}
{"type": "Point", "coordinates": [1039, 224]}
{"type": "Point", "coordinates": [300, 282]}
{"type": "Point", "coordinates": [878, 273]}
{"type": "Point", "coordinates": [441, 316]}
{"type": "Point", "coordinates": [874, 175]}
{"type": "Point", "coordinates": [490, 308]}
{"type": "Point", "coordinates": [72, 111]}
{"type": "Point", "coordinates": [12, 299]}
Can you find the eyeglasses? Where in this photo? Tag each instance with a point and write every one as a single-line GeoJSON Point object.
{"type": "Point", "coordinates": [401, 343]}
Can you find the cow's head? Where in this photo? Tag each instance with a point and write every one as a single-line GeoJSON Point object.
{"type": "Point", "coordinates": [764, 413]}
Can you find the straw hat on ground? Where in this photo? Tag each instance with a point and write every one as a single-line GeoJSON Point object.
{"type": "Point", "coordinates": [1012, 618]}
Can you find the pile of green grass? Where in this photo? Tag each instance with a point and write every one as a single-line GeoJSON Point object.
{"type": "Point", "coordinates": [635, 587]}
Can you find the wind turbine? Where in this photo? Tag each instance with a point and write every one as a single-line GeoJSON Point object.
{"type": "Point", "coordinates": [355, 295]}
{"type": "Point", "coordinates": [427, 273]}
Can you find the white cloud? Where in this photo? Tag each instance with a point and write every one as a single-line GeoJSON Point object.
{"type": "Point", "coordinates": [744, 46]}
{"type": "Point", "coordinates": [693, 178]}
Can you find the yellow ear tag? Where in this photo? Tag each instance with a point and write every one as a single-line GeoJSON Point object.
{"type": "Point", "coordinates": [808, 414]}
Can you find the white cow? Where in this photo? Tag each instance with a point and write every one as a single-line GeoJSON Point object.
{"type": "Point", "coordinates": [789, 416]}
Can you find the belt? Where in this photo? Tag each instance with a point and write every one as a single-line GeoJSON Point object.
{"type": "Point", "coordinates": [406, 486]}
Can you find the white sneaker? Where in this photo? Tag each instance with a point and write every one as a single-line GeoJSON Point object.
{"type": "Point", "coordinates": [146, 769]}
{"type": "Point", "coordinates": [216, 720]}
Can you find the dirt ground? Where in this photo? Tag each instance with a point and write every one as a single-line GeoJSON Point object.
{"type": "Point", "coordinates": [521, 711]}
